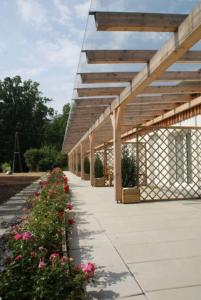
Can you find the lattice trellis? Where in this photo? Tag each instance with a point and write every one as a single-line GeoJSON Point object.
{"type": "Point", "coordinates": [169, 163]}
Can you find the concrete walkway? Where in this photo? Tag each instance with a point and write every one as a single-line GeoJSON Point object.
{"type": "Point", "coordinates": [142, 251]}
{"type": "Point", "coordinates": [11, 209]}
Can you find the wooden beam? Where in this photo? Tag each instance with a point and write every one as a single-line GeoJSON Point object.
{"type": "Point", "coordinates": [112, 77]}
{"type": "Point", "coordinates": [97, 100]}
{"type": "Point", "coordinates": [92, 157]}
{"type": "Point", "coordinates": [187, 88]}
{"type": "Point", "coordinates": [117, 119]}
{"type": "Point", "coordinates": [134, 56]}
{"type": "Point", "coordinates": [173, 98]}
{"type": "Point", "coordinates": [108, 77]}
{"type": "Point", "coordinates": [99, 91]}
{"type": "Point", "coordinates": [132, 21]}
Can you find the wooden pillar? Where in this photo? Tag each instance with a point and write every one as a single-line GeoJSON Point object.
{"type": "Point", "coordinates": [92, 157]}
{"type": "Point", "coordinates": [82, 155]}
{"type": "Point", "coordinates": [117, 121]}
{"type": "Point", "coordinates": [105, 159]}
{"type": "Point", "coordinates": [74, 162]}
{"type": "Point", "coordinates": [77, 160]}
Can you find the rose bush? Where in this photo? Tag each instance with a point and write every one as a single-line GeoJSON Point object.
{"type": "Point", "coordinates": [36, 267]}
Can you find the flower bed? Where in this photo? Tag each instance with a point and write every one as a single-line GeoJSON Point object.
{"type": "Point", "coordinates": [36, 267]}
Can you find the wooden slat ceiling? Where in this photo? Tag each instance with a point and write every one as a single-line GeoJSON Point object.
{"type": "Point", "coordinates": [143, 101]}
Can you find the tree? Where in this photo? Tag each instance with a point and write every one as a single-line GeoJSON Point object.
{"type": "Point", "coordinates": [55, 128]}
{"type": "Point", "coordinates": [22, 109]}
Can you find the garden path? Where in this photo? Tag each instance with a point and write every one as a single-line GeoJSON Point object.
{"type": "Point", "coordinates": [146, 251]}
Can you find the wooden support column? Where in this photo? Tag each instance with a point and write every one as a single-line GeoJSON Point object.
{"type": "Point", "coordinates": [69, 162]}
{"type": "Point", "coordinates": [82, 155]}
{"type": "Point", "coordinates": [92, 157]}
{"type": "Point", "coordinates": [77, 161]}
{"type": "Point", "coordinates": [105, 159]}
{"type": "Point", "coordinates": [73, 162]}
{"type": "Point", "coordinates": [117, 121]}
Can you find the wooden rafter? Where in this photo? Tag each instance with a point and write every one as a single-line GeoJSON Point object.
{"type": "Point", "coordinates": [129, 21]}
{"type": "Point", "coordinates": [112, 77]}
{"type": "Point", "coordinates": [99, 91]}
{"type": "Point", "coordinates": [134, 56]}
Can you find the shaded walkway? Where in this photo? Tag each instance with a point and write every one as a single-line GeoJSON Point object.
{"type": "Point", "coordinates": [144, 251]}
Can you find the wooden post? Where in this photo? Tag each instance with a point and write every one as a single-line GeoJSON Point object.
{"type": "Point", "coordinates": [82, 154]}
{"type": "Point", "coordinates": [105, 161]}
{"type": "Point", "coordinates": [92, 158]}
{"type": "Point", "coordinates": [74, 161]}
{"type": "Point", "coordinates": [117, 121]}
{"type": "Point", "coordinates": [77, 161]}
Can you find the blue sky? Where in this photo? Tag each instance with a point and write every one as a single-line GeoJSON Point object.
{"type": "Point", "coordinates": [41, 39]}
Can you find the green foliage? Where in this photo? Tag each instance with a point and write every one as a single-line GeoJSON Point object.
{"type": "Point", "coordinates": [5, 167]}
{"type": "Point", "coordinates": [129, 170]}
{"type": "Point", "coordinates": [36, 268]}
{"type": "Point", "coordinates": [44, 159]}
{"type": "Point", "coordinates": [23, 109]}
{"type": "Point", "coordinates": [55, 128]}
{"type": "Point", "coordinates": [32, 158]}
{"type": "Point", "coordinates": [86, 165]}
{"type": "Point", "coordinates": [98, 167]}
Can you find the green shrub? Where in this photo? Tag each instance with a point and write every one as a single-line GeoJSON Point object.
{"type": "Point", "coordinates": [5, 167]}
{"type": "Point", "coordinates": [98, 167]}
{"type": "Point", "coordinates": [86, 165]}
{"type": "Point", "coordinates": [45, 164]}
{"type": "Point", "coordinates": [129, 170]}
{"type": "Point", "coordinates": [32, 157]}
{"type": "Point", "coordinates": [44, 159]}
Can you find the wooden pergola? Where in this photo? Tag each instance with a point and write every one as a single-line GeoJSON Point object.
{"type": "Point", "coordinates": [111, 112]}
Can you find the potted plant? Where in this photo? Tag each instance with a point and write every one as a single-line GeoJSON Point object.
{"type": "Point", "coordinates": [86, 168]}
{"type": "Point", "coordinates": [130, 191]}
{"type": "Point", "coordinates": [99, 180]}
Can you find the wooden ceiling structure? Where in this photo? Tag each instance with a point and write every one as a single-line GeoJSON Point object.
{"type": "Point", "coordinates": [109, 112]}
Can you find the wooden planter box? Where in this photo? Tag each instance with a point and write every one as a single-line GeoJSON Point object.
{"type": "Point", "coordinates": [86, 177]}
{"type": "Point", "coordinates": [130, 195]}
{"type": "Point", "coordinates": [99, 182]}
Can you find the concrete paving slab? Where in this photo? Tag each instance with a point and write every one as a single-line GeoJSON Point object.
{"type": "Point", "coordinates": [114, 281]}
{"type": "Point", "coordinates": [159, 251]}
{"type": "Point", "coordinates": [159, 242]}
{"type": "Point", "coordinates": [187, 293]}
{"type": "Point", "coordinates": [168, 274]}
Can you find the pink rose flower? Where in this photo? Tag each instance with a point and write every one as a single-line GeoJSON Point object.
{"type": "Point", "coordinates": [41, 265]}
{"type": "Point", "coordinates": [27, 235]}
{"type": "Point", "coordinates": [69, 206]}
{"type": "Point", "coordinates": [71, 221]}
{"type": "Point", "coordinates": [66, 188]}
{"type": "Point", "coordinates": [18, 257]}
{"type": "Point", "coordinates": [18, 236]}
{"type": "Point", "coordinates": [36, 194]}
{"type": "Point", "coordinates": [88, 268]}
{"type": "Point", "coordinates": [54, 256]}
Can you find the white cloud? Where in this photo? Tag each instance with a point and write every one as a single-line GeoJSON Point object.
{"type": "Point", "coordinates": [82, 9]}
{"type": "Point", "coordinates": [64, 52]}
{"type": "Point", "coordinates": [31, 11]}
{"type": "Point", "coordinates": [64, 11]}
